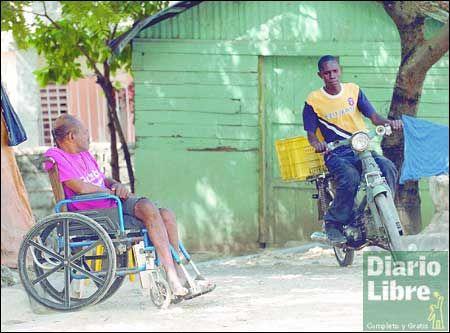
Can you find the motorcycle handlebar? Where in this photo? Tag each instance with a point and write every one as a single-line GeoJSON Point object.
{"type": "Point", "coordinates": [380, 130]}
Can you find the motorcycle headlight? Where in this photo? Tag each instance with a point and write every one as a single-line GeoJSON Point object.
{"type": "Point", "coordinates": [360, 141]}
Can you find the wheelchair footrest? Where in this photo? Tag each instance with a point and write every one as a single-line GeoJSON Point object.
{"type": "Point", "coordinates": [201, 292]}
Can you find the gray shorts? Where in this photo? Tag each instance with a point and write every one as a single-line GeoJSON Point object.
{"type": "Point", "coordinates": [130, 220]}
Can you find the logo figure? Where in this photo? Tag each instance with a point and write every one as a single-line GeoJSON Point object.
{"type": "Point", "coordinates": [351, 101]}
{"type": "Point", "coordinates": [436, 315]}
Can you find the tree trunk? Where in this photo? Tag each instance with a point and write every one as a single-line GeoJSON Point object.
{"type": "Point", "coordinates": [108, 89]}
{"type": "Point", "coordinates": [418, 55]}
{"type": "Point", "coordinates": [405, 100]}
{"type": "Point", "coordinates": [126, 152]}
{"type": "Point", "coordinates": [115, 171]}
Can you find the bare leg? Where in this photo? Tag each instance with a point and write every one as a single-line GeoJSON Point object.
{"type": "Point", "coordinates": [172, 232]}
{"type": "Point", "coordinates": [146, 211]}
{"type": "Point", "coordinates": [171, 227]}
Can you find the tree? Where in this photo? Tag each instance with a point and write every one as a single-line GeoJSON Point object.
{"type": "Point", "coordinates": [81, 34]}
{"type": "Point", "coordinates": [418, 55]}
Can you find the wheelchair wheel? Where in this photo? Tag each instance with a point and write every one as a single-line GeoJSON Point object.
{"type": "Point", "coordinates": [122, 261]}
{"type": "Point", "coordinates": [47, 237]}
{"type": "Point", "coordinates": [48, 263]}
{"type": "Point", "coordinates": [160, 292]}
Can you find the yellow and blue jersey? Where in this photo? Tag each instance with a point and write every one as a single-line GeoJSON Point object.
{"type": "Point", "coordinates": [336, 117]}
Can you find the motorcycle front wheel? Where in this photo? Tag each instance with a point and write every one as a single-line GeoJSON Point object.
{"type": "Point", "coordinates": [390, 219]}
{"type": "Point", "coordinates": [344, 256]}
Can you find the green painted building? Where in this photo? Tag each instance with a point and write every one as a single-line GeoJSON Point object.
{"type": "Point", "coordinates": [217, 82]}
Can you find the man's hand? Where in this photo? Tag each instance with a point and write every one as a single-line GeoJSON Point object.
{"type": "Point", "coordinates": [320, 147]}
{"type": "Point", "coordinates": [120, 190]}
{"type": "Point", "coordinates": [377, 120]}
{"type": "Point", "coordinates": [396, 124]}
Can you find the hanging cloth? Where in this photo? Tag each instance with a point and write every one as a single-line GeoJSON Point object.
{"type": "Point", "coordinates": [426, 149]}
{"type": "Point", "coordinates": [16, 132]}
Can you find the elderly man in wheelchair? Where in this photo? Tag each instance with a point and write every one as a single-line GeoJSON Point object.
{"type": "Point", "coordinates": [72, 259]}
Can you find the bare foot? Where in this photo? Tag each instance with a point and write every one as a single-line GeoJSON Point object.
{"type": "Point", "coordinates": [179, 291]}
{"type": "Point", "coordinates": [175, 285]}
{"type": "Point", "coordinates": [181, 275]}
{"type": "Point", "coordinates": [205, 284]}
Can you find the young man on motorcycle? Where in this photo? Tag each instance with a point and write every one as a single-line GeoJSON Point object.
{"type": "Point", "coordinates": [334, 112]}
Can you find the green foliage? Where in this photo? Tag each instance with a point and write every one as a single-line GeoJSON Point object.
{"type": "Point", "coordinates": [13, 19]}
{"type": "Point", "coordinates": [80, 34]}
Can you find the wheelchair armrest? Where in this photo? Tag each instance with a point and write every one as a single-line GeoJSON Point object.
{"type": "Point", "coordinates": [89, 197]}
{"type": "Point", "coordinates": [99, 195]}
{"type": "Point", "coordinates": [94, 197]}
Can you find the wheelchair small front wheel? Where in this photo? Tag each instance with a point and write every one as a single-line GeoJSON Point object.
{"type": "Point", "coordinates": [161, 294]}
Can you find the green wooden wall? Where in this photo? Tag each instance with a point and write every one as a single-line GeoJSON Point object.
{"type": "Point", "coordinates": [202, 147]}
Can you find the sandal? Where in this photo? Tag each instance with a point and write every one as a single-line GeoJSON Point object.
{"type": "Point", "coordinates": [205, 287]}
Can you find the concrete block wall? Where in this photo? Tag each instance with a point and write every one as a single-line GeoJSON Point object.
{"type": "Point", "coordinates": [36, 179]}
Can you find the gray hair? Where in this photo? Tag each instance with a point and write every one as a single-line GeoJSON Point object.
{"type": "Point", "coordinates": [63, 125]}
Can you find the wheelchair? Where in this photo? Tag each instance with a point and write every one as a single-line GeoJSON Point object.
{"type": "Point", "coordinates": [70, 260]}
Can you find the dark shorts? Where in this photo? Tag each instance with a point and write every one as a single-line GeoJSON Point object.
{"type": "Point", "coordinates": [129, 218]}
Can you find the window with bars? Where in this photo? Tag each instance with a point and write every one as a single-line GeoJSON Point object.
{"type": "Point", "coordinates": [85, 100]}
{"type": "Point", "coordinates": [54, 100]}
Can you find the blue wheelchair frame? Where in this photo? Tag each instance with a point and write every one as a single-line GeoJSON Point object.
{"type": "Point", "coordinates": [148, 246]}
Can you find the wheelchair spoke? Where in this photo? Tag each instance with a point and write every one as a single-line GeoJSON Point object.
{"type": "Point", "coordinates": [67, 286]}
{"type": "Point", "coordinates": [66, 264]}
{"type": "Point", "coordinates": [84, 251]}
{"type": "Point", "coordinates": [44, 249]}
{"type": "Point", "coordinates": [43, 276]}
{"type": "Point", "coordinates": [84, 271]}
{"type": "Point", "coordinates": [66, 240]}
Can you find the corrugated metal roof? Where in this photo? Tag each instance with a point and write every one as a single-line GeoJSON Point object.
{"type": "Point", "coordinates": [435, 10]}
{"type": "Point", "coordinates": [118, 44]}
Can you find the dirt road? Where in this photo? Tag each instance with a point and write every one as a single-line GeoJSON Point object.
{"type": "Point", "coordinates": [295, 289]}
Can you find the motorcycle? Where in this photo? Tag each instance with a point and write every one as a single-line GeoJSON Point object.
{"type": "Point", "coordinates": [376, 221]}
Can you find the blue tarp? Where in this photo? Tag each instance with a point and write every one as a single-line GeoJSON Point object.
{"type": "Point", "coordinates": [16, 133]}
{"type": "Point", "coordinates": [426, 149]}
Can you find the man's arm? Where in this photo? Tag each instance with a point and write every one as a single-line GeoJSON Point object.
{"type": "Point", "coordinates": [314, 141]}
{"type": "Point", "coordinates": [368, 110]}
{"type": "Point", "coordinates": [310, 124]}
{"type": "Point", "coordinates": [109, 182]}
{"type": "Point", "coordinates": [80, 187]}
{"type": "Point", "coordinates": [113, 187]}
{"type": "Point", "coordinates": [379, 120]}
{"type": "Point", "coordinates": [117, 188]}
